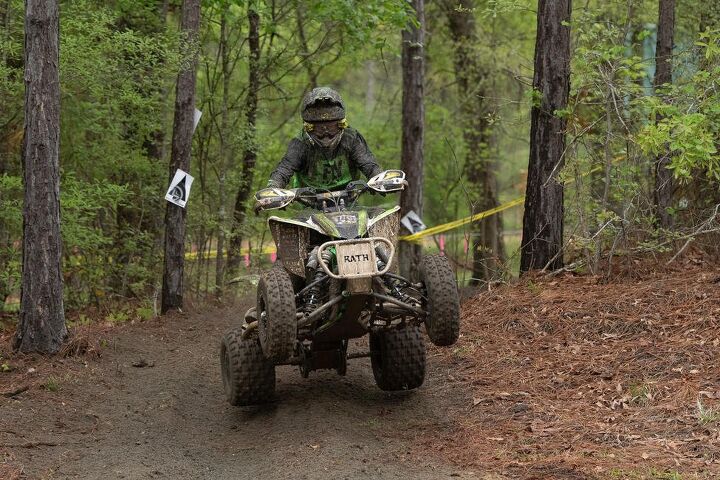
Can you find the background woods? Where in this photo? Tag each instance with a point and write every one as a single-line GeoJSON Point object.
{"type": "Point", "coordinates": [633, 131]}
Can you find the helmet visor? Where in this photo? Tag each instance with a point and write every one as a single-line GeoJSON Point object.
{"type": "Point", "coordinates": [325, 129]}
{"type": "Point", "coordinates": [326, 134]}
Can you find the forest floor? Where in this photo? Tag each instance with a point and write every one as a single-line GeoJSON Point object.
{"type": "Point", "coordinates": [564, 377]}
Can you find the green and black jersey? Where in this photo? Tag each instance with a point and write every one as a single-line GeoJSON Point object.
{"type": "Point", "coordinates": [314, 166]}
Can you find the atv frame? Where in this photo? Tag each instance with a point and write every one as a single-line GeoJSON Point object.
{"type": "Point", "coordinates": [336, 280]}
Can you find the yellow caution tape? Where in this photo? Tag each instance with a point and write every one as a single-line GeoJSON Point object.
{"type": "Point", "coordinates": [463, 221]}
{"type": "Point", "coordinates": [446, 226]}
{"type": "Point", "coordinates": [487, 213]}
{"type": "Point", "coordinates": [244, 251]}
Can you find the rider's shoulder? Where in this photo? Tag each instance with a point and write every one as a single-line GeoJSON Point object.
{"type": "Point", "coordinates": [350, 135]}
{"type": "Point", "coordinates": [300, 140]}
{"type": "Point", "coordinates": [295, 145]}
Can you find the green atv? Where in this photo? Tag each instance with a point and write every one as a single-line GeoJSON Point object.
{"type": "Point", "coordinates": [336, 280]}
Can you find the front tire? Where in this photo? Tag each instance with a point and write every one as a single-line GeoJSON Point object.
{"type": "Point", "coordinates": [277, 321]}
{"type": "Point", "coordinates": [443, 300]}
{"type": "Point", "coordinates": [248, 377]}
{"type": "Point", "coordinates": [398, 358]}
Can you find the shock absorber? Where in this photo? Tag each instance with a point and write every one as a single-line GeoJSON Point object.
{"type": "Point", "coordinates": [395, 291]}
{"type": "Point", "coordinates": [392, 284]}
{"type": "Point", "coordinates": [313, 296]}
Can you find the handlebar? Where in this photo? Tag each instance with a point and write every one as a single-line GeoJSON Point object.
{"type": "Point", "coordinates": [311, 197]}
{"type": "Point", "coordinates": [382, 183]}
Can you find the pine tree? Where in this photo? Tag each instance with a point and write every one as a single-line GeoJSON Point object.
{"type": "Point", "coordinates": [542, 236]}
{"type": "Point", "coordinates": [42, 320]}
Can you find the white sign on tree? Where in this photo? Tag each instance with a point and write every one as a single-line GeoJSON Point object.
{"type": "Point", "coordinates": [179, 190]}
{"type": "Point", "coordinates": [197, 114]}
{"type": "Point", "coordinates": [412, 222]}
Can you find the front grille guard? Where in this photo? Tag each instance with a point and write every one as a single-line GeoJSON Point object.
{"type": "Point", "coordinates": [373, 241]}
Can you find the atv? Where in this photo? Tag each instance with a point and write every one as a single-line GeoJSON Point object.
{"type": "Point", "coordinates": [336, 279]}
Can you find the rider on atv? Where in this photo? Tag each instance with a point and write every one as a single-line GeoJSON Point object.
{"type": "Point", "coordinates": [334, 280]}
{"type": "Point", "coordinates": [327, 154]}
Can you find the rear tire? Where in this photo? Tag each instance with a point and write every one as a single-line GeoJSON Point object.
{"type": "Point", "coordinates": [248, 377]}
{"type": "Point", "coordinates": [277, 322]}
{"type": "Point", "coordinates": [443, 300]}
{"type": "Point", "coordinates": [398, 358]}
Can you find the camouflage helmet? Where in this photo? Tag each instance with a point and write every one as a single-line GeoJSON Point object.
{"type": "Point", "coordinates": [322, 104]}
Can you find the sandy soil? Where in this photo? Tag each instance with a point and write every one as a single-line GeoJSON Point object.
{"type": "Point", "coordinates": [86, 417]}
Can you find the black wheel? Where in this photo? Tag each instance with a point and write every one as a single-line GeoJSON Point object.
{"type": "Point", "coordinates": [443, 300]}
{"type": "Point", "coordinates": [248, 377]}
{"type": "Point", "coordinates": [398, 358]}
{"type": "Point", "coordinates": [277, 323]}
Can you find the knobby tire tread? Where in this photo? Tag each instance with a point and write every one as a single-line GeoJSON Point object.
{"type": "Point", "coordinates": [278, 334]}
{"type": "Point", "coordinates": [443, 320]}
{"type": "Point", "coordinates": [248, 377]}
{"type": "Point", "coordinates": [398, 358]}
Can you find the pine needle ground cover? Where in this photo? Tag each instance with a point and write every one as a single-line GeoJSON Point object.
{"type": "Point", "coordinates": [573, 377]}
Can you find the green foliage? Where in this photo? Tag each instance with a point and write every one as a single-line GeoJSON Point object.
{"type": "Point", "coordinates": [117, 317]}
{"type": "Point", "coordinates": [11, 78]}
{"type": "Point", "coordinates": [338, 39]}
{"type": "Point", "coordinates": [363, 22]}
{"type": "Point", "coordinates": [11, 191]}
{"type": "Point", "coordinates": [52, 384]}
{"type": "Point", "coordinates": [649, 474]}
{"type": "Point", "coordinates": [83, 204]}
{"type": "Point", "coordinates": [689, 124]}
{"type": "Point", "coordinates": [499, 7]}
{"type": "Point", "coordinates": [81, 320]}
{"type": "Point", "coordinates": [619, 125]}
{"type": "Point", "coordinates": [145, 313]}
{"type": "Point", "coordinates": [707, 415]}
{"type": "Point", "coordinates": [119, 62]}
{"type": "Point", "coordinates": [605, 171]}
{"type": "Point", "coordinates": [4, 366]}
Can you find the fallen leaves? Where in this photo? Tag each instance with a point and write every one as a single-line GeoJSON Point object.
{"type": "Point", "coordinates": [589, 376]}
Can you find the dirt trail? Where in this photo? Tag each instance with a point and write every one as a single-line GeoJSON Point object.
{"type": "Point", "coordinates": [169, 419]}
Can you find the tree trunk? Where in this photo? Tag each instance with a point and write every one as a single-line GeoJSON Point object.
{"type": "Point", "coordinates": [543, 218]}
{"type": "Point", "coordinates": [663, 76]}
{"type": "Point", "coordinates": [223, 154]}
{"type": "Point", "coordinates": [413, 133]}
{"type": "Point", "coordinates": [250, 156]}
{"type": "Point", "coordinates": [472, 80]}
{"type": "Point", "coordinates": [172, 290]}
{"type": "Point", "coordinates": [41, 325]}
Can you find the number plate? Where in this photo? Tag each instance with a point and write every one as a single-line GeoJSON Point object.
{"type": "Point", "coordinates": [356, 260]}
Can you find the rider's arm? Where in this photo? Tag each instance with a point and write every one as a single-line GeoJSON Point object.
{"type": "Point", "coordinates": [290, 163]}
{"type": "Point", "coordinates": [363, 158]}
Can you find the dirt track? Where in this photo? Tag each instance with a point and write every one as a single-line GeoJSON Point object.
{"type": "Point", "coordinates": [566, 377]}
{"type": "Point", "coordinates": [108, 419]}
